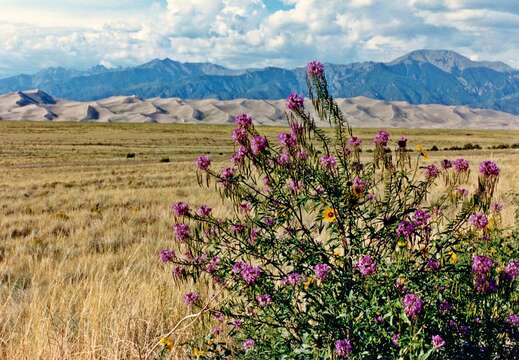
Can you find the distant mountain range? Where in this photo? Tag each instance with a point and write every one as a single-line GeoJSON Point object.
{"type": "Point", "coordinates": [420, 77]}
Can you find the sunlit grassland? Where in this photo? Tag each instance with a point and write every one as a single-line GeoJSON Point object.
{"type": "Point", "coordinates": [81, 226]}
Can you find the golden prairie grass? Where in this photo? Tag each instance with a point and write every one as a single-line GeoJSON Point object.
{"type": "Point", "coordinates": [81, 226]}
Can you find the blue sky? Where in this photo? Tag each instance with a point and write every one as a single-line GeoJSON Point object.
{"type": "Point", "coordinates": [35, 34]}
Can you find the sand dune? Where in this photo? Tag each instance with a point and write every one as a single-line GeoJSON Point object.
{"type": "Point", "coordinates": [360, 111]}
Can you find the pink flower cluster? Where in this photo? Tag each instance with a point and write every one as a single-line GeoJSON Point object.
{"type": "Point", "coordinates": [180, 209]}
{"type": "Point", "coordinates": [191, 298]}
{"type": "Point", "coordinates": [243, 121]}
{"type": "Point", "coordinates": [461, 165]}
{"type": "Point", "coordinates": [315, 69]}
{"type": "Point", "coordinates": [478, 220]}
{"type": "Point", "coordinates": [381, 138]}
{"type": "Point", "coordinates": [250, 274]}
{"type": "Point", "coordinates": [328, 161]}
{"type": "Point", "coordinates": [489, 168]}
{"type": "Point", "coordinates": [182, 232]}
{"type": "Point", "coordinates": [321, 271]}
{"type": "Point", "coordinates": [366, 265]}
{"type": "Point", "coordinates": [203, 162]}
{"type": "Point", "coordinates": [343, 348]}
{"type": "Point", "coordinates": [431, 171]}
{"type": "Point", "coordinates": [293, 279]}
{"type": "Point", "coordinates": [295, 102]}
{"type": "Point", "coordinates": [413, 305]}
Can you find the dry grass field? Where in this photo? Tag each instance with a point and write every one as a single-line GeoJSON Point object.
{"type": "Point", "coordinates": [81, 226]}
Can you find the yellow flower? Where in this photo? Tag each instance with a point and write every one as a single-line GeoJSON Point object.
{"type": "Point", "coordinates": [198, 352]}
{"type": "Point", "coordinates": [308, 282]}
{"type": "Point", "coordinates": [453, 258]}
{"type": "Point", "coordinates": [401, 243]}
{"type": "Point", "coordinates": [167, 343]}
{"type": "Point", "coordinates": [329, 215]}
{"type": "Point", "coordinates": [422, 151]}
{"type": "Point", "coordinates": [338, 252]}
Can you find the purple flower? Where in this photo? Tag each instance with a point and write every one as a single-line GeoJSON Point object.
{"type": "Point", "coordinates": [190, 298]}
{"type": "Point", "coordinates": [249, 344]}
{"type": "Point", "coordinates": [513, 319]}
{"type": "Point", "coordinates": [481, 264]}
{"type": "Point", "coordinates": [180, 209]}
{"type": "Point", "coordinates": [496, 207]}
{"type": "Point", "coordinates": [328, 161]}
{"type": "Point", "coordinates": [178, 272]}
{"type": "Point", "coordinates": [293, 279]}
{"type": "Point", "coordinates": [226, 175]}
{"type": "Point", "coordinates": [219, 316]}
{"type": "Point", "coordinates": [461, 165]}
{"type": "Point", "coordinates": [213, 264]}
{"type": "Point", "coordinates": [343, 348]}
{"type": "Point", "coordinates": [216, 330]}
{"type": "Point", "coordinates": [259, 143]}
{"type": "Point", "coordinates": [237, 228]}
{"type": "Point", "coordinates": [489, 168]}
{"type": "Point", "coordinates": [483, 283]}
{"type": "Point", "coordinates": [203, 162]}
{"type": "Point", "coordinates": [421, 217]}
{"type": "Point", "coordinates": [238, 267]}
{"type": "Point", "coordinates": [444, 307]}
{"type": "Point", "coordinates": [254, 232]}
{"type": "Point", "coordinates": [446, 164]}
{"type": "Point", "coordinates": [239, 155]}
{"type": "Point", "coordinates": [243, 120]}
{"type": "Point", "coordinates": [315, 68]}
{"type": "Point", "coordinates": [405, 229]}
{"type": "Point", "coordinates": [511, 270]}
{"type": "Point", "coordinates": [286, 139]}
{"type": "Point", "coordinates": [264, 300]}
{"type": "Point", "coordinates": [181, 231]}
{"type": "Point", "coordinates": [395, 340]}
{"type": "Point", "coordinates": [381, 138]}
{"type": "Point", "coordinates": [431, 171]}
{"type": "Point", "coordinates": [166, 255]}
{"type": "Point", "coordinates": [355, 142]}
{"type": "Point", "coordinates": [237, 323]}
{"type": "Point", "coordinates": [295, 102]}
{"type": "Point", "coordinates": [250, 274]}
{"type": "Point", "coordinates": [239, 135]}
{"type": "Point", "coordinates": [402, 142]}
{"type": "Point", "coordinates": [283, 159]}
{"type": "Point", "coordinates": [413, 305]}
{"type": "Point", "coordinates": [478, 220]}
{"type": "Point", "coordinates": [204, 211]}
{"type": "Point", "coordinates": [359, 186]}
{"type": "Point", "coordinates": [437, 342]}
{"type": "Point", "coordinates": [269, 221]}
{"type": "Point", "coordinates": [366, 265]}
{"type": "Point", "coordinates": [321, 271]}
{"type": "Point", "coordinates": [295, 185]}
{"type": "Point", "coordinates": [433, 264]}
{"type": "Point", "coordinates": [462, 192]}
{"type": "Point", "coordinates": [245, 207]}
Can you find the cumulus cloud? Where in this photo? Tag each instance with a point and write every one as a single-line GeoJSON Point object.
{"type": "Point", "coordinates": [249, 33]}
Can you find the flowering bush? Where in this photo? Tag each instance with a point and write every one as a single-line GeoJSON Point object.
{"type": "Point", "coordinates": [332, 255]}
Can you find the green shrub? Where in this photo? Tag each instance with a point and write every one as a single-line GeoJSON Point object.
{"type": "Point", "coordinates": [328, 255]}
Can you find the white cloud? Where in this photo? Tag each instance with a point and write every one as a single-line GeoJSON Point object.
{"type": "Point", "coordinates": [243, 33]}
